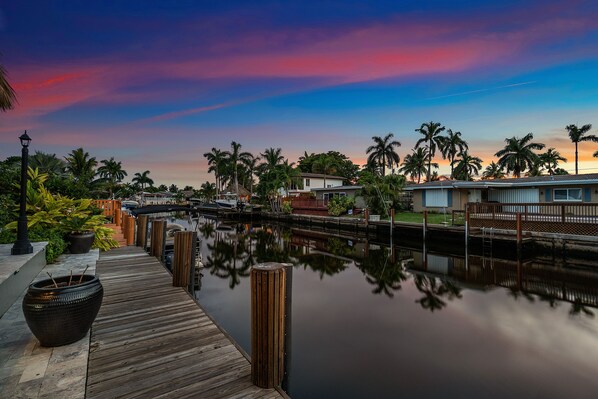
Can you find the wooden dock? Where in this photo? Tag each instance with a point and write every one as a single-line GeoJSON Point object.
{"type": "Point", "coordinates": [153, 340]}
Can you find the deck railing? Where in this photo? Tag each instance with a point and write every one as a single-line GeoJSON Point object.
{"type": "Point", "coordinates": [108, 207]}
{"type": "Point", "coordinates": [308, 203]}
{"type": "Point", "coordinates": [578, 218]}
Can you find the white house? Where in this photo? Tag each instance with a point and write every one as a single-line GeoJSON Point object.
{"type": "Point", "coordinates": [314, 180]}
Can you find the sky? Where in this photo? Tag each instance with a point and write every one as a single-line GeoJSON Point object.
{"type": "Point", "coordinates": [156, 84]}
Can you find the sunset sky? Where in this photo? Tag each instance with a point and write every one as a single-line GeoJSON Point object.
{"type": "Point", "coordinates": [158, 83]}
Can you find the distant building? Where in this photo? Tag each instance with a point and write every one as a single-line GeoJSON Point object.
{"type": "Point", "coordinates": [454, 194]}
{"type": "Point", "coordinates": [314, 181]}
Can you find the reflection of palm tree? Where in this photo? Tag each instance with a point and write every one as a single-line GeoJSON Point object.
{"type": "Point", "coordinates": [222, 261]}
{"type": "Point", "coordinates": [577, 307]}
{"type": "Point", "coordinates": [380, 272]}
{"type": "Point", "coordinates": [516, 293]}
{"type": "Point", "coordinates": [434, 291]}
{"type": "Point", "coordinates": [326, 265]}
{"type": "Point", "coordinates": [207, 230]}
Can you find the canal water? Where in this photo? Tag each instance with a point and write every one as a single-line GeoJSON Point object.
{"type": "Point", "coordinates": [373, 321]}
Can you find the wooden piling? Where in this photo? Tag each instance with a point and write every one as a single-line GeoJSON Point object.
{"type": "Point", "coordinates": [367, 217]}
{"type": "Point", "coordinates": [118, 213]}
{"type": "Point", "coordinates": [519, 233]}
{"type": "Point", "coordinates": [130, 229]}
{"type": "Point", "coordinates": [123, 226]}
{"type": "Point", "coordinates": [142, 221]}
{"type": "Point", "coordinates": [268, 290]}
{"type": "Point", "coordinates": [158, 239]}
{"type": "Point", "coordinates": [183, 261]}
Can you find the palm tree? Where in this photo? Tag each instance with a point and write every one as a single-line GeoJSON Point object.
{"type": "Point", "coordinates": [577, 134]}
{"type": "Point", "coordinates": [493, 171]}
{"type": "Point", "coordinates": [142, 179]}
{"type": "Point", "coordinates": [233, 157]}
{"type": "Point", "coordinates": [326, 165]}
{"type": "Point", "coordinates": [272, 157]}
{"type": "Point", "coordinates": [431, 140]}
{"type": "Point", "coordinates": [286, 174]}
{"type": "Point", "coordinates": [518, 154]}
{"type": "Point", "coordinates": [216, 160]}
{"type": "Point", "coordinates": [47, 163]}
{"type": "Point", "coordinates": [113, 172]}
{"type": "Point", "coordinates": [250, 164]}
{"type": "Point", "coordinates": [383, 152]}
{"type": "Point", "coordinates": [466, 166]}
{"type": "Point", "coordinates": [81, 165]}
{"type": "Point", "coordinates": [414, 165]}
{"type": "Point", "coordinates": [451, 145]}
{"type": "Point", "coordinates": [596, 154]}
{"type": "Point", "coordinates": [7, 94]}
{"type": "Point", "coordinates": [550, 160]}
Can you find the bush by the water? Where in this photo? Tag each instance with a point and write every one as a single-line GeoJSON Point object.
{"type": "Point", "coordinates": [340, 205]}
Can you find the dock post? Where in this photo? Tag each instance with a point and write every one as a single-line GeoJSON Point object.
{"type": "Point", "coordinates": [288, 322]}
{"type": "Point", "coordinates": [367, 217]}
{"type": "Point", "coordinates": [518, 228]}
{"type": "Point", "coordinates": [130, 229]}
{"type": "Point", "coordinates": [183, 261]}
{"type": "Point", "coordinates": [392, 221]}
{"type": "Point", "coordinates": [268, 290]}
{"type": "Point", "coordinates": [142, 231]}
{"type": "Point", "coordinates": [118, 213]}
{"type": "Point", "coordinates": [466, 225]}
{"type": "Point", "coordinates": [158, 239]}
{"type": "Point", "coordinates": [123, 227]}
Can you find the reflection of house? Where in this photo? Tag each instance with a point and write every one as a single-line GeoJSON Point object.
{"type": "Point", "coordinates": [309, 181]}
{"type": "Point", "coordinates": [454, 194]}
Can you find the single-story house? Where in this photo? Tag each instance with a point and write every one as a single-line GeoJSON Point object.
{"type": "Point", "coordinates": [314, 180]}
{"type": "Point", "coordinates": [340, 191]}
{"type": "Point", "coordinates": [454, 194]}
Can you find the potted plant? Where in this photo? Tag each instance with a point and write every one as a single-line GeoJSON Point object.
{"type": "Point", "coordinates": [79, 233]}
{"type": "Point", "coordinates": [60, 310]}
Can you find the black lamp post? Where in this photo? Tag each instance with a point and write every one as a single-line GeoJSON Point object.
{"type": "Point", "coordinates": [22, 245]}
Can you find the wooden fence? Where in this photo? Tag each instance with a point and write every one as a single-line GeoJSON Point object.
{"type": "Point", "coordinates": [578, 218]}
{"type": "Point", "coordinates": [108, 207]}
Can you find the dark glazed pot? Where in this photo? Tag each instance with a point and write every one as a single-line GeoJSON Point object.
{"type": "Point", "coordinates": [60, 316]}
{"type": "Point", "coordinates": [80, 243]}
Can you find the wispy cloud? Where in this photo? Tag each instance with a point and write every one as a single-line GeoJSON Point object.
{"type": "Point", "coordinates": [465, 93]}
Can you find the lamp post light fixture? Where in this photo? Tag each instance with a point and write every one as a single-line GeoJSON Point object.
{"type": "Point", "coordinates": [22, 245]}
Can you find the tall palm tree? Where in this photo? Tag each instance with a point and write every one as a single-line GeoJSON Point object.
{"type": "Point", "coordinates": [7, 94]}
{"type": "Point", "coordinates": [550, 160]}
{"type": "Point", "coordinates": [326, 165]}
{"type": "Point", "coordinates": [233, 158]}
{"type": "Point", "coordinates": [431, 140]}
{"type": "Point", "coordinates": [47, 163]}
{"type": "Point", "coordinates": [414, 165]}
{"type": "Point", "coordinates": [451, 145]}
{"type": "Point", "coordinates": [286, 174]}
{"type": "Point", "coordinates": [142, 179]}
{"type": "Point", "coordinates": [250, 164]}
{"type": "Point", "coordinates": [466, 166]}
{"type": "Point", "coordinates": [272, 157]}
{"type": "Point", "coordinates": [493, 171]}
{"type": "Point", "coordinates": [216, 159]}
{"type": "Point", "coordinates": [112, 172]}
{"type": "Point", "coordinates": [518, 154]}
{"type": "Point", "coordinates": [578, 134]}
{"type": "Point", "coordinates": [81, 165]}
{"type": "Point", "coordinates": [383, 152]}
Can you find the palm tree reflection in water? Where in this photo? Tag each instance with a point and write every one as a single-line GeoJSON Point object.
{"type": "Point", "coordinates": [435, 290]}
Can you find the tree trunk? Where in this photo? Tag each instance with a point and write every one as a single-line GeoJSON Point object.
{"type": "Point", "coordinates": [575, 157]}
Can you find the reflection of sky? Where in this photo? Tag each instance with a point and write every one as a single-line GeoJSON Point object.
{"type": "Point", "coordinates": [158, 84]}
{"type": "Point", "coordinates": [348, 342]}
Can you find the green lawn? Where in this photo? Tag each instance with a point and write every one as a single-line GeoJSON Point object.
{"type": "Point", "coordinates": [433, 218]}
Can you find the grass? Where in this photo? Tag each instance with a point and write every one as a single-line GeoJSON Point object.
{"type": "Point", "coordinates": [412, 217]}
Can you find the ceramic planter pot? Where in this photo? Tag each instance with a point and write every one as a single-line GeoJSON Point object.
{"type": "Point", "coordinates": [80, 243]}
{"type": "Point", "coordinates": [60, 316]}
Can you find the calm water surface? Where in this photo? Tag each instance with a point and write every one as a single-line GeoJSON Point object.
{"type": "Point", "coordinates": [368, 322]}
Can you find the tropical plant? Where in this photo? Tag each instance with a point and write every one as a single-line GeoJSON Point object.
{"type": "Point", "coordinates": [414, 165]}
{"type": "Point", "coordinates": [381, 193]}
{"type": "Point", "coordinates": [208, 191]}
{"type": "Point", "coordinates": [550, 160]}
{"type": "Point", "coordinates": [112, 172]}
{"type": "Point", "coordinates": [81, 165]}
{"type": "Point", "coordinates": [493, 171]}
{"type": "Point", "coordinates": [47, 163]}
{"type": "Point", "coordinates": [518, 154]}
{"type": "Point", "coordinates": [450, 146]}
{"type": "Point", "coordinates": [466, 166]}
{"type": "Point", "coordinates": [340, 205]}
{"type": "Point", "coordinates": [7, 95]}
{"type": "Point", "coordinates": [142, 179]}
{"type": "Point", "coordinates": [286, 174]}
{"type": "Point", "coordinates": [250, 165]}
{"type": "Point", "coordinates": [431, 140]}
{"type": "Point", "coordinates": [325, 165]}
{"type": "Point", "coordinates": [578, 135]}
{"type": "Point", "coordinates": [233, 158]}
{"type": "Point", "coordinates": [343, 166]}
{"type": "Point", "coordinates": [271, 158]}
{"type": "Point", "coordinates": [216, 160]}
{"type": "Point", "coordinates": [383, 152]}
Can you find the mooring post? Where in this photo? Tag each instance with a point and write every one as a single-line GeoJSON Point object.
{"type": "Point", "coordinates": [466, 225]}
{"type": "Point", "coordinates": [118, 213]}
{"type": "Point", "coordinates": [392, 221]}
{"type": "Point", "coordinates": [288, 323]}
{"type": "Point", "coordinates": [183, 261]}
{"type": "Point", "coordinates": [141, 231]}
{"type": "Point", "coordinates": [130, 229]}
{"type": "Point", "coordinates": [367, 217]}
{"type": "Point", "coordinates": [123, 227]}
{"type": "Point", "coordinates": [268, 290]}
{"type": "Point", "coordinates": [518, 228]}
{"type": "Point", "coordinates": [158, 239]}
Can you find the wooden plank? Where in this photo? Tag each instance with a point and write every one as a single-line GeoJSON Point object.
{"type": "Point", "coordinates": [152, 340]}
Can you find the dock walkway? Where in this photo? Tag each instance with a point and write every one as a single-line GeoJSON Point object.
{"type": "Point", "coordinates": [153, 340]}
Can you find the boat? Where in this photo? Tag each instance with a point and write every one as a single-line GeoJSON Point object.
{"type": "Point", "coordinates": [228, 201]}
{"type": "Point", "coordinates": [129, 204]}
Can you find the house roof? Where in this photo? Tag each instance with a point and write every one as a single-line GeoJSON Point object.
{"type": "Point", "coordinates": [338, 188]}
{"type": "Point", "coordinates": [554, 180]}
{"type": "Point", "coordinates": [321, 176]}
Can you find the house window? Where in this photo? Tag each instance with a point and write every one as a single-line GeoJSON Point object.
{"type": "Point", "coordinates": [307, 182]}
{"type": "Point", "coordinates": [567, 194]}
{"type": "Point", "coordinates": [436, 198]}
{"type": "Point", "coordinates": [329, 196]}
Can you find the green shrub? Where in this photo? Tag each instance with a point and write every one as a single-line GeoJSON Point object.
{"type": "Point", "coordinates": [340, 205]}
{"type": "Point", "coordinates": [287, 208]}
{"type": "Point", "coordinates": [56, 244]}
